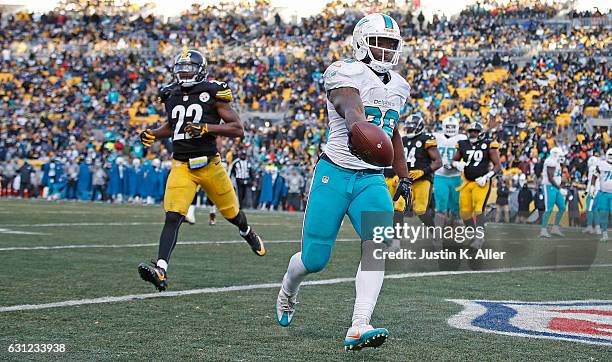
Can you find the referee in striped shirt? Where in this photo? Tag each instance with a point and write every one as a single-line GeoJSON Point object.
{"type": "Point", "coordinates": [241, 170]}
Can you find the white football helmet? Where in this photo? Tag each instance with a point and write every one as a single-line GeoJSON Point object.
{"type": "Point", "coordinates": [609, 155]}
{"type": "Point", "coordinates": [556, 154]}
{"type": "Point", "coordinates": [366, 37]}
{"type": "Point", "coordinates": [450, 126]}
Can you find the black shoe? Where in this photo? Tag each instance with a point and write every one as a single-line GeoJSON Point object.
{"type": "Point", "coordinates": [255, 242]}
{"type": "Point", "coordinates": [154, 275]}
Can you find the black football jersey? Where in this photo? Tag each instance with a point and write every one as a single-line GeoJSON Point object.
{"type": "Point", "coordinates": [476, 157]}
{"type": "Point", "coordinates": [194, 104]}
{"type": "Point", "coordinates": [415, 150]}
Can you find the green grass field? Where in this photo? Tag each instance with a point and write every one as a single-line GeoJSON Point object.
{"type": "Point", "coordinates": [239, 325]}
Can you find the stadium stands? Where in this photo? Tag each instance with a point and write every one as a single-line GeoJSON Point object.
{"type": "Point", "coordinates": [78, 85]}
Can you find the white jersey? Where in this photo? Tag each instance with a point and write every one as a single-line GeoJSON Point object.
{"type": "Point", "coordinates": [592, 171]}
{"type": "Point", "coordinates": [605, 175]}
{"type": "Point", "coordinates": [557, 174]}
{"type": "Point", "coordinates": [447, 146]}
{"type": "Point", "coordinates": [382, 104]}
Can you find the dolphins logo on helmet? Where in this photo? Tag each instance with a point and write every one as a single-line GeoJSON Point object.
{"type": "Point", "coordinates": [450, 126]}
{"type": "Point", "coordinates": [375, 32]}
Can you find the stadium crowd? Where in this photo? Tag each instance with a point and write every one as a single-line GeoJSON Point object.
{"type": "Point", "coordinates": [77, 86]}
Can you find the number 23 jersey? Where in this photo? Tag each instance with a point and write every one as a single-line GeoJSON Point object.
{"type": "Point", "coordinates": [194, 104]}
{"type": "Point", "coordinates": [476, 157]}
{"type": "Point", "coordinates": [382, 104]}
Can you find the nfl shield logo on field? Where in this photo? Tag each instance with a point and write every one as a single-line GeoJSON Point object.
{"type": "Point", "coordinates": [588, 321]}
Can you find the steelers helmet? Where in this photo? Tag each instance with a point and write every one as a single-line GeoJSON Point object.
{"type": "Point", "coordinates": [189, 68]}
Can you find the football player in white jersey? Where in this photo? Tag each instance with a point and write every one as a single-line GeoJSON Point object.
{"type": "Point", "coordinates": [553, 193]}
{"type": "Point", "coordinates": [447, 178]}
{"type": "Point", "coordinates": [591, 200]}
{"type": "Point", "coordinates": [363, 89]}
{"type": "Point", "coordinates": [604, 198]}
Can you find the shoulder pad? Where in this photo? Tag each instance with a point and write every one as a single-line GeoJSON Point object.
{"type": "Point", "coordinates": [403, 85]}
{"type": "Point", "coordinates": [222, 91]}
{"type": "Point", "coordinates": [343, 73]}
{"type": "Point", "coordinates": [493, 144]}
{"type": "Point", "coordinates": [430, 140]}
{"type": "Point", "coordinates": [166, 91]}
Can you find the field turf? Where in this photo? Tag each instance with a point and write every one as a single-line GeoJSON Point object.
{"type": "Point", "coordinates": [101, 245]}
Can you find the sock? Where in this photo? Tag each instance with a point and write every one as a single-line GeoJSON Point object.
{"type": "Point", "coordinates": [398, 217]}
{"type": "Point", "coordinates": [169, 235]}
{"type": "Point", "coordinates": [468, 222]}
{"type": "Point", "coordinates": [427, 218]}
{"type": "Point", "coordinates": [440, 219]}
{"type": "Point", "coordinates": [241, 221]}
{"type": "Point", "coordinates": [296, 271]}
{"type": "Point", "coordinates": [480, 220]}
{"type": "Point", "coordinates": [603, 220]}
{"type": "Point", "coordinates": [162, 264]}
{"type": "Point", "coordinates": [367, 288]}
{"type": "Point", "coordinates": [246, 232]}
{"type": "Point", "coordinates": [545, 218]}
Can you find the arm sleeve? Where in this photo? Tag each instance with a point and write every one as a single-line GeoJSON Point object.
{"type": "Point", "coordinates": [224, 93]}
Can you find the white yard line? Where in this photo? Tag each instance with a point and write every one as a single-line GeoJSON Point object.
{"type": "Point", "coordinates": [134, 223]}
{"type": "Point", "coordinates": [138, 245]}
{"type": "Point", "coordinates": [125, 298]}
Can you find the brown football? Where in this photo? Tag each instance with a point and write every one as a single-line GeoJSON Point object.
{"type": "Point", "coordinates": [371, 144]}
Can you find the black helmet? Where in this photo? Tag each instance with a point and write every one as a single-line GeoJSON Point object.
{"type": "Point", "coordinates": [189, 68]}
{"type": "Point", "coordinates": [477, 126]}
{"type": "Point", "coordinates": [415, 122]}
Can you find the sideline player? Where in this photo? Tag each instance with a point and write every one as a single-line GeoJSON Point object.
{"type": "Point", "coordinates": [364, 89]}
{"type": "Point", "coordinates": [195, 108]}
{"type": "Point", "coordinates": [591, 200]}
{"type": "Point", "coordinates": [604, 199]}
{"type": "Point", "coordinates": [553, 193]}
{"type": "Point", "coordinates": [447, 179]}
{"type": "Point", "coordinates": [473, 158]}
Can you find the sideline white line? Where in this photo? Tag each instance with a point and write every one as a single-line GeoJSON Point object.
{"type": "Point", "coordinates": [125, 298]}
{"type": "Point", "coordinates": [81, 224]}
{"type": "Point", "coordinates": [134, 223]}
{"type": "Point", "coordinates": [138, 245]}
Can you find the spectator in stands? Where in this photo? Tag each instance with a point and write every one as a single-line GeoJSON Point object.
{"type": "Point", "coordinates": [503, 192]}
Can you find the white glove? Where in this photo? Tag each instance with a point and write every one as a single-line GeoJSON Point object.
{"type": "Point", "coordinates": [482, 180]}
{"type": "Point", "coordinates": [459, 165]}
{"type": "Point", "coordinates": [563, 192]}
{"type": "Point", "coordinates": [446, 164]}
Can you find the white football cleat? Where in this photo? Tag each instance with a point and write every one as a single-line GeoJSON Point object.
{"type": "Point", "coordinates": [597, 230]}
{"type": "Point", "coordinates": [588, 230]}
{"type": "Point", "coordinates": [285, 308]}
{"type": "Point", "coordinates": [363, 336]}
{"type": "Point", "coordinates": [556, 230]}
{"type": "Point", "coordinates": [190, 217]}
{"type": "Point", "coordinates": [544, 233]}
{"type": "Point", "coordinates": [604, 237]}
